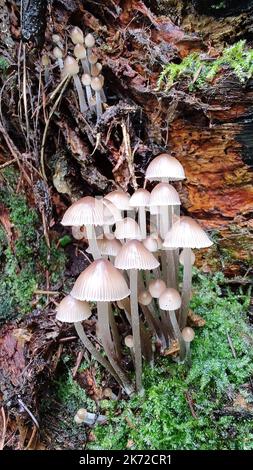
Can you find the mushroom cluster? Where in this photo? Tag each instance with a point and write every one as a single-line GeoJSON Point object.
{"type": "Point", "coordinates": [137, 243]}
{"type": "Point", "coordinates": [80, 62]}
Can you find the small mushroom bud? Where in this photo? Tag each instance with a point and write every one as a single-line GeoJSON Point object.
{"type": "Point", "coordinates": [156, 288]}
{"type": "Point", "coordinates": [129, 342]}
{"type": "Point", "coordinates": [56, 39]}
{"type": "Point", "coordinates": [93, 59]}
{"type": "Point", "coordinates": [78, 420]}
{"type": "Point", "coordinates": [97, 86]}
{"type": "Point", "coordinates": [71, 67]}
{"type": "Point", "coordinates": [83, 416]}
{"type": "Point", "coordinates": [89, 40]}
{"type": "Point", "coordinates": [144, 298]}
{"type": "Point", "coordinates": [77, 35]}
{"type": "Point", "coordinates": [79, 51]}
{"type": "Point", "coordinates": [45, 60]}
{"type": "Point", "coordinates": [96, 69]}
{"type": "Point", "coordinates": [81, 413]}
{"type": "Point", "coordinates": [86, 81]}
{"type": "Point", "coordinates": [79, 232]}
{"type": "Point", "coordinates": [57, 53]}
{"type": "Point", "coordinates": [108, 393]}
{"type": "Point", "coordinates": [188, 336]}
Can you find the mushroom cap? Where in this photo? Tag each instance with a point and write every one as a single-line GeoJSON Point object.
{"type": "Point", "coordinates": [144, 297]}
{"type": "Point", "coordinates": [119, 198]}
{"type": "Point", "coordinates": [133, 255]}
{"type": "Point", "coordinates": [111, 213]}
{"type": "Point", "coordinates": [100, 282]}
{"type": "Point", "coordinates": [151, 244]}
{"type": "Point", "coordinates": [129, 342]}
{"type": "Point", "coordinates": [140, 198]}
{"type": "Point", "coordinates": [165, 166]}
{"type": "Point", "coordinates": [77, 35]}
{"type": "Point", "coordinates": [96, 84]}
{"type": "Point", "coordinates": [182, 255]}
{"type": "Point", "coordinates": [186, 233]}
{"type": "Point", "coordinates": [56, 38]}
{"type": "Point", "coordinates": [158, 239]}
{"type": "Point", "coordinates": [86, 79]}
{"type": "Point", "coordinates": [156, 287]}
{"type": "Point", "coordinates": [71, 310]}
{"type": "Point", "coordinates": [71, 66]}
{"type": "Point", "coordinates": [79, 51]}
{"type": "Point", "coordinates": [81, 413]}
{"type": "Point", "coordinates": [92, 59]}
{"type": "Point", "coordinates": [188, 334]}
{"type": "Point", "coordinates": [96, 69]}
{"type": "Point", "coordinates": [89, 40]}
{"type": "Point", "coordinates": [164, 194]}
{"type": "Point", "coordinates": [45, 60]}
{"type": "Point", "coordinates": [170, 299]}
{"type": "Point", "coordinates": [57, 53]}
{"type": "Point", "coordinates": [78, 420]}
{"type": "Point", "coordinates": [79, 232]}
{"type": "Point", "coordinates": [87, 211]}
{"type": "Point", "coordinates": [108, 246]}
{"type": "Point", "coordinates": [128, 229]}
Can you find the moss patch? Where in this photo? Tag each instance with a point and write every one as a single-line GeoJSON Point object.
{"type": "Point", "coordinates": [163, 420]}
{"type": "Point", "coordinates": [198, 72]}
{"type": "Point", "coordinates": [23, 266]}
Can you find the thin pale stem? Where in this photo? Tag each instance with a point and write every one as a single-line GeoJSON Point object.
{"type": "Point", "coordinates": [178, 334]}
{"type": "Point", "coordinates": [86, 66]}
{"type": "Point", "coordinates": [103, 318]}
{"type": "Point", "coordinates": [81, 97]}
{"type": "Point", "coordinates": [98, 104]}
{"type": "Point", "coordinates": [94, 353]}
{"type": "Point", "coordinates": [92, 240]}
{"type": "Point", "coordinates": [136, 328]}
{"type": "Point", "coordinates": [142, 221]}
{"type": "Point", "coordinates": [187, 285]}
{"type": "Point", "coordinates": [115, 333]}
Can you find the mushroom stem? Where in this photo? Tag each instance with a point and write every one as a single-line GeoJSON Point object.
{"type": "Point", "coordinates": [171, 271]}
{"type": "Point", "coordinates": [103, 97]}
{"type": "Point", "coordinates": [115, 333]}
{"type": "Point", "coordinates": [187, 284]}
{"type": "Point", "coordinates": [93, 351]}
{"type": "Point", "coordinates": [60, 63]}
{"type": "Point", "coordinates": [136, 328]}
{"type": "Point", "coordinates": [154, 325]}
{"type": "Point", "coordinates": [142, 221]}
{"type": "Point", "coordinates": [188, 359]}
{"type": "Point", "coordinates": [86, 66]}
{"type": "Point", "coordinates": [165, 327]}
{"type": "Point", "coordinates": [178, 334]}
{"type": "Point", "coordinates": [98, 104]}
{"type": "Point", "coordinates": [89, 96]}
{"type": "Point", "coordinates": [103, 319]}
{"type": "Point", "coordinates": [91, 236]}
{"type": "Point", "coordinates": [81, 97]}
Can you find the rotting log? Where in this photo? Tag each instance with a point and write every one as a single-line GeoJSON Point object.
{"type": "Point", "coordinates": [210, 132]}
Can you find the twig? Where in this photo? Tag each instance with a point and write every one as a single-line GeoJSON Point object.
{"type": "Point", "coordinates": [7, 163]}
{"type": "Point", "coordinates": [230, 342]}
{"type": "Point", "coordinates": [190, 403]}
{"type": "Point", "coordinates": [67, 339]}
{"type": "Point", "coordinates": [4, 429]}
{"type": "Point", "coordinates": [29, 412]}
{"type": "Point", "coordinates": [42, 163]}
{"type": "Point", "coordinates": [78, 362]}
{"type": "Point", "coordinates": [45, 292]}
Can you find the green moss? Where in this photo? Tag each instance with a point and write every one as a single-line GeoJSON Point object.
{"type": "Point", "coordinates": [199, 72]}
{"type": "Point", "coordinates": [163, 419]}
{"type": "Point", "coordinates": [23, 265]}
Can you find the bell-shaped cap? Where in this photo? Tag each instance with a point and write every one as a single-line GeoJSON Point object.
{"type": "Point", "coordinates": [182, 257]}
{"type": "Point", "coordinates": [140, 198]}
{"type": "Point", "coordinates": [129, 342]}
{"type": "Point", "coordinates": [164, 194]}
{"type": "Point", "coordinates": [120, 199]}
{"type": "Point", "coordinates": [151, 244]}
{"type": "Point", "coordinates": [165, 166]}
{"type": "Point", "coordinates": [77, 35]}
{"type": "Point", "coordinates": [108, 245]}
{"type": "Point", "coordinates": [71, 310]}
{"type": "Point", "coordinates": [71, 66]}
{"type": "Point", "coordinates": [144, 297]}
{"type": "Point", "coordinates": [188, 334]}
{"type": "Point", "coordinates": [79, 51]}
{"type": "Point", "coordinates": [186, 233]}
{"type": "Point", "coordinates": [86, 211]}
{"type": "Point", "coordinates": [170, 299]}
{"type": "Point", "coordinates": [156, 288]}
{"type": "Point", "coordinates": [133, 255]}
{"type": "Point", "coordinates": [128, 229]}
{"type": "Point", "coordinates": [100, 282]}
